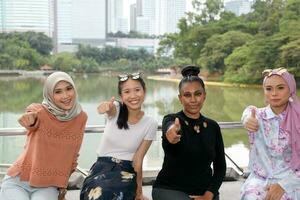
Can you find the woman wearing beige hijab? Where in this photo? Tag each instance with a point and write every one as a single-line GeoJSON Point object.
{"type": "Point", "coordinates": [55, 131]}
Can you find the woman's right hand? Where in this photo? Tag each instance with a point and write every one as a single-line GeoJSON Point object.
{"type": "Point", "coordinates": [28, 119]}
{"type": "Point", "coordinates": [172, 134]}
{"type": "Point", "coordinates": [251, 123]}
{"type": "Point", "coordinates": [106, 106]}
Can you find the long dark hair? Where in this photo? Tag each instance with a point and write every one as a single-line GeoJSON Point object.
{"type": "Point", "coordinates": [190, 74]}
{"type": "Point", "coordinates": [122, 120]}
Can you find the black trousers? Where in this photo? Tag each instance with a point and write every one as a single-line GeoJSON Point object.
{"type": "Point", "coordinates": [165, 194]}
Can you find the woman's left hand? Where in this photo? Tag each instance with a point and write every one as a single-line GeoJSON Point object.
{"type": "Point", "coordinates": [207, 196]}
{"type": "Point", "coordinates": [62, 193]}
{"type": "Point", "coordinates": [274, 192]}
{"type": "Point", "coordinates": [141, 197]}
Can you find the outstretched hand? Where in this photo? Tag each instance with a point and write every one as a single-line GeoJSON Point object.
{"type": "Point", "coordinates": [28, 119]}
{"type": "Point", "coordinates": [172, 134]}
{"type": "Point", "coordinates": [106, 106]}
{"type": "Point", "coordinates": [251, 123]}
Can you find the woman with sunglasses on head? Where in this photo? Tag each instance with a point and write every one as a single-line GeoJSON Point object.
{"type": "Point", "coordinates": [128, 134]}
{"type": "Point", "coordinates": [274, 136]}
{"type": "Point", "coordinates": [55, 131]}
{"type": "Point", "coordinates": [191, 143]}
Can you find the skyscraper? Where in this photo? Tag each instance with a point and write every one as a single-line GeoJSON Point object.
{"type": "Point", "coordinates": [146, 17]}
{"type": "Point", "coordinates": [170, 12]}
{"type": "Point", "coordinates": [88, 20]}
{"type": "Point", "coordinates": [159, 16]}
{"type": "Point", "coordinates": [133, 15]}
{"type": "Point", "coordinates": [115, 19]}
{"type": "Point", "coordinates": [29, 15]}
{"type": "Point", "coordinates": [64, 21]}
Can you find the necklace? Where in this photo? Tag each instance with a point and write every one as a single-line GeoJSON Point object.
{"type": "Point", "coordinates": [196, 126]}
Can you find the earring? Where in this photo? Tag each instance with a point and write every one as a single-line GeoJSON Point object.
{"type": "Point", "coordinates": [291, 99]}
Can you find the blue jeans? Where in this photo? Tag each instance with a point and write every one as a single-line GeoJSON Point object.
{"type": "Point", "coordinates": [14, 189]}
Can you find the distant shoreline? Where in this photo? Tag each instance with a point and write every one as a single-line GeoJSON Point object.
{"type": "Point", "coordinates": [212, 83]}
{"type": "Point", "coordinates": [25, 73]}
{"type": "Point", "coordinates": [38, 73]}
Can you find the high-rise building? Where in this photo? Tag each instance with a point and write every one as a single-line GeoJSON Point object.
{"type": "Point", "coordinates": [159, 16]}
{"type": "Point", "coordinates": [238, 7]}
{"type": "Point", "coordinates": [133, 15]}
{"type": "Point", "coordinates": [146, 18]}
{"type": "Point", "coordinates": [115, 19]}
{"type": "Point", "coordinates": [80, 21]}
{"type": "Point", "coordinates": [139, 7]}
{"type": "Point", "coordinates": [29, 15]}
{"type": "Point", "coordinates": [123, 25]}
{"type": "Point", "coordinates": [88, 20]}
{"type": "Point", "coordinates": [170, 11]}
{"type": "Point", "coordinates": [63, 21]}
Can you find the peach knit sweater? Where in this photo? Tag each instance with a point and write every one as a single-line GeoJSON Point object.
{"type": "Point", "coordinates": [51, 150]}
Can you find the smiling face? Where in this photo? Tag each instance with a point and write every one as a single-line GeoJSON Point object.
{"type": "Point", "coordinates": [192, 97]}
{"type": "Point", "coordinates": [132, 94]}
{"type": "Point", "coordinates": [64, 95]}
{"type": "Point", "coordinates": [277, 93]}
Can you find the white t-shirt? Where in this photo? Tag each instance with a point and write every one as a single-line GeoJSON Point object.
{"type": "Point", "coordinates": [121, 143]}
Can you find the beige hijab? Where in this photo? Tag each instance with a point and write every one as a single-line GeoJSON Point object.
{"type": "Point", "coordinates": [48, 102]}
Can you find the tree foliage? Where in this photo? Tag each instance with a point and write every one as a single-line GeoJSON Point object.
{"type": "Point", "coordinates": [21, 50]}
{"type": "Point", "coordinates": [239, 47]}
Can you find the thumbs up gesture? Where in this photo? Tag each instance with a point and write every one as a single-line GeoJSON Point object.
{"type": "Point", "coordinates": [107, 107]}
{"type": "Point", "coordinates": [172, 134]}
{"type": "Point", "coordinates": [251, 123]}
{"type": "Point", "coordinates": [28, 119]}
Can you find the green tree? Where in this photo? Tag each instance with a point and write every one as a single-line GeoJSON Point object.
{"type": "Point", "coordinates": [87, 65]}
{"type": "Point", "coordinates": [65, 62]}
{"type": "Point", "coordinates": [246, 63]}
{"type": "Point", "coordinates": [290, 56]}
{"type": "Point", "coordinates": [40, 42]}
{"type": "Point", "coordinates": [218, 47]}
{"type": "Point", "coordinates": [210, 10]}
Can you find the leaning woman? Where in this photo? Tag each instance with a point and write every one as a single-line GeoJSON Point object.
{"type": "Point", "coordinates": [55, 131]}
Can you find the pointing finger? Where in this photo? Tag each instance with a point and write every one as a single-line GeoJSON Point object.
{"type": "Point", "coordinates": [112, 100]}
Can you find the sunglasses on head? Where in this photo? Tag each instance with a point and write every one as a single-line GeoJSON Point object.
{"type": "Point", "coordinates": [125, 77]}
{"type": "Point", "coordinates": [278, 71]}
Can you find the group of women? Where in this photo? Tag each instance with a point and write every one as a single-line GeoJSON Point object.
{"type": "Point", "coordinates": [194, 163]}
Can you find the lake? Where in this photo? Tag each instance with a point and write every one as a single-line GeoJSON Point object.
{"type": "Point", "coordinates": [222, 104]}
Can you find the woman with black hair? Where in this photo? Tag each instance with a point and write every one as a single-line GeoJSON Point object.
{"type": "Point", "coordinates": [117, 173]}
{"type": "Point", "coordinates": [191, 142]}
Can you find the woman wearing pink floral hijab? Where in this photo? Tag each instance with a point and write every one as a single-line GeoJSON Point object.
{"type": "Point", "coordinates": [274, 135]}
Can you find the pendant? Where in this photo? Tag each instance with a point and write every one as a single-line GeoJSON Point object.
{"type": "Point", "coordinates": [197, 128]}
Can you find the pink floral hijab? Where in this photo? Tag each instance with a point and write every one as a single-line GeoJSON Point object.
{"type": "Point", "coordinates": [291, 123]}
